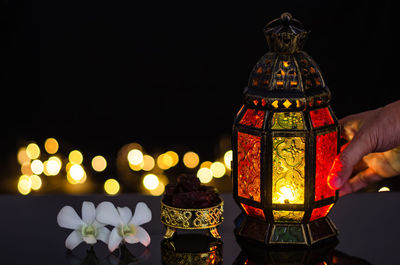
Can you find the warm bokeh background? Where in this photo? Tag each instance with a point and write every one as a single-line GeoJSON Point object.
{"type": "Point", "coordinates": [107, 77]}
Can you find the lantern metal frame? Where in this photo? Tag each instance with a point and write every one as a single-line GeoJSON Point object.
{"type": "Point", "coordinates": [271, 101]}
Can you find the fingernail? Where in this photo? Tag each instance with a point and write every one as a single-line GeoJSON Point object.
{"type": "Point", "coordinates": [337, 182]}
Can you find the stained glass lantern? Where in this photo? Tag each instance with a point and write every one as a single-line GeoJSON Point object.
{"type": "Point", "coordinates": [285, 138]}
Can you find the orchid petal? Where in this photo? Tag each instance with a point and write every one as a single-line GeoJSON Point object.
{"type": "Point", "coordinates": [125, 213]}
{"type": "Point", "coordinates": [114, 240]}
{"type": "Point", "coordinates": [73, 240]}
{"type": "Point", "coordinates": [131, 239]}
{"type": "Point", "coordinates": [97, 224]}
{"type": "Point", "coordinates": [91, 240]}
{"type": "Point", "coordinates": [143, 236]}
{"type": "Point", "coordinates": [88, 212]}
{"type": "Point", "coordinates": [107, 214]}
{"type": "Point", "coordinates": [142, 214]}
{"type": "Point", "coordinates": [103, 234]}
{"type": "Point", "coordinates": [68, 218]}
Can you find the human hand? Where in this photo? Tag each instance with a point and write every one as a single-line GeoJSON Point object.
{"type": "Point", "coordinates": [373, 151]}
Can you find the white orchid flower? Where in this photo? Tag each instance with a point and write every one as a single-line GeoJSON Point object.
{"type": "Point", "coordinates": [86, 229]}
{"type": "Point", "coordinates": [126, 227]}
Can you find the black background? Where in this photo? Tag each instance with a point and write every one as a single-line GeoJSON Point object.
{"type": "Point", "coordinates": [99, 74]}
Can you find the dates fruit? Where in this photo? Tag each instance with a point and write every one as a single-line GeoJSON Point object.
{"type": "Point", "coordinates": [189, 193]}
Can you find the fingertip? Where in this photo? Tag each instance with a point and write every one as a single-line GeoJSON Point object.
{"type": "Point", "coordinates": [344, 146]}
{"type": "Point", "coordinates": [334, 178]}
{"type": "Point", "coordinates": [334, 182]}
{"type": "Point", "coordinates": [345, 190]}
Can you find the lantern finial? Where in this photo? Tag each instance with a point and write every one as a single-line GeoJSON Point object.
{"type": "Point", "coordinates": [285, 34]}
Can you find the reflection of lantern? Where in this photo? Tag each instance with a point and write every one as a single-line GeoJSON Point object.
{"type": "Point", "coordinates": [285, 138]}
{"type": "Point", "coordinates": [256, 254]}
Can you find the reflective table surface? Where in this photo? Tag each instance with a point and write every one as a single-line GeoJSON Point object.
{"type": "Point", "coordinates": [368, 223]}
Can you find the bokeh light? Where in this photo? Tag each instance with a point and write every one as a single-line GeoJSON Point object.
{"type": "Point", "coordinates": [35, 162]}
{"type": "Point", "coordinates": [205, 175]}
{"type": "Point", "coordinates": [26, 168]}
{"type": "Point", "coordinates": [68, 166]}
{"type": "Point", "coordinates": [206, 164]}
{"type": "Point", "coordinates": [52, 166]}
{"type": "Point", "coordinates": [228, 159]}
{"type": "Point", "coordinates": [159, 190]}
{"type": "Point", "coordinates": [37, 167]}
{"type": "Point", "coordinates": [383, 189]}
{"type": "Point", "coordinates": [76, 172]}
{"type": "Point", "coordinates": [45, 168]}
{"type": "Point", "coordinates": [191, 159]}
{"type": "Point", "coordinates": [36, 182]}
{"type": "Point", "coordinates": [218, 169]}
{"type": "Point", "coordinates": [22, 156]}
{"type": "Point", "coordinates": [111, 186]}
{"type": "Point", "coordinates": [174, 156]}
{"type": "Point", "coordinates": [164, 161]}
{"type": "Point", "coordinates": [150, 181]}
{"type": "Point", "coordinates": [137, 167]}
{"type": "Point", "coordinates": [76, 177]}
{"type": "Point", "coordinates": [51, 146]}
{"type": "Point", "coordinates": [24, 185]}
{"type": "Point", "coordinates": [148, 163]}
{"type": "Point", "coordinates": [135, 157]}
{"type": "Point", "coordinates": [33, 151]}
{"type": "Point", "coordinates": [99, 163]}
{"type": "Point", "coordinates": [75, 157]}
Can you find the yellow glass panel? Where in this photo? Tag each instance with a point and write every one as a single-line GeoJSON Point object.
{"type": "Point", "coordinates": [288, 216]}
{"type": "Point", "coordinates": [288, 170]}
{"type": "Point", "coordinates": [287, 121]}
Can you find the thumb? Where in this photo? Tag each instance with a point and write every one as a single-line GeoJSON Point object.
{"type": "Point", "coordinates": [344, 163]}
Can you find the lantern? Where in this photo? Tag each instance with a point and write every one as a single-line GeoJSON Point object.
{"type": "Point", "coordinates": [285, 138]}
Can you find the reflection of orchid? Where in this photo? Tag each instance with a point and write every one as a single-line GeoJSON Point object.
{"type": "Point", "coordinates": [85, 229]}
{"type": "Point", "coordinates": [126, 227]}
{"type": "Point", "coordinates": [90, 258]}
{"type": "Point", "coordinates": [122, 257]}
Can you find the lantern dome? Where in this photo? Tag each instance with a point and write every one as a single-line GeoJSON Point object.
{"type": "Point", "coordinates": [286, 71]}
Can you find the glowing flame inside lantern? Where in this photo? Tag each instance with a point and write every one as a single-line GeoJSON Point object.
{"type": "Point", "coordinates": [286, 194]}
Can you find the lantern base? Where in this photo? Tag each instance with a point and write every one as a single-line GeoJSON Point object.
{"type": "Point", "coordinates": [254, 253]}
{"type": "Point", "coordinates": [284, 234]}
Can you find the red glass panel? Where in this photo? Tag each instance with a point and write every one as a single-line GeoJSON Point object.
{"type": "Point", "coordinates": [263, 102]}
{"type": "Point", "coordinates": [321, 117]}
{"type": "Point", "coordinates": [320, 212]}
{"type": "Point", "coordinates": [249, 166]}
{"type": "Point", "coordinates": [253, 211]}
{"type": "Point", "coordinates": [326, 151]}
{"type": "Point", "coordinates": [254, 118]}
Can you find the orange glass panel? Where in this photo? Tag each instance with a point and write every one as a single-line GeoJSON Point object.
{"type": "Point", "coordinates": [253, 211]}
{"type": "Point", "coordinates": [326, 151]}
{"type": "Point", "coordinates": [321, 117]}
{"type": "Point", "coordinates": [249, 166]}
{"type": "Point", "coordinates": [320, 212]}
{"type": "Point", "coordinates": [288, 170]}
{"type": "Point", "coordinates": [254, 118]}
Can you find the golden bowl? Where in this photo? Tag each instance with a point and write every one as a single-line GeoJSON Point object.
{"type": "Point", "coordinates": [183, 218]}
